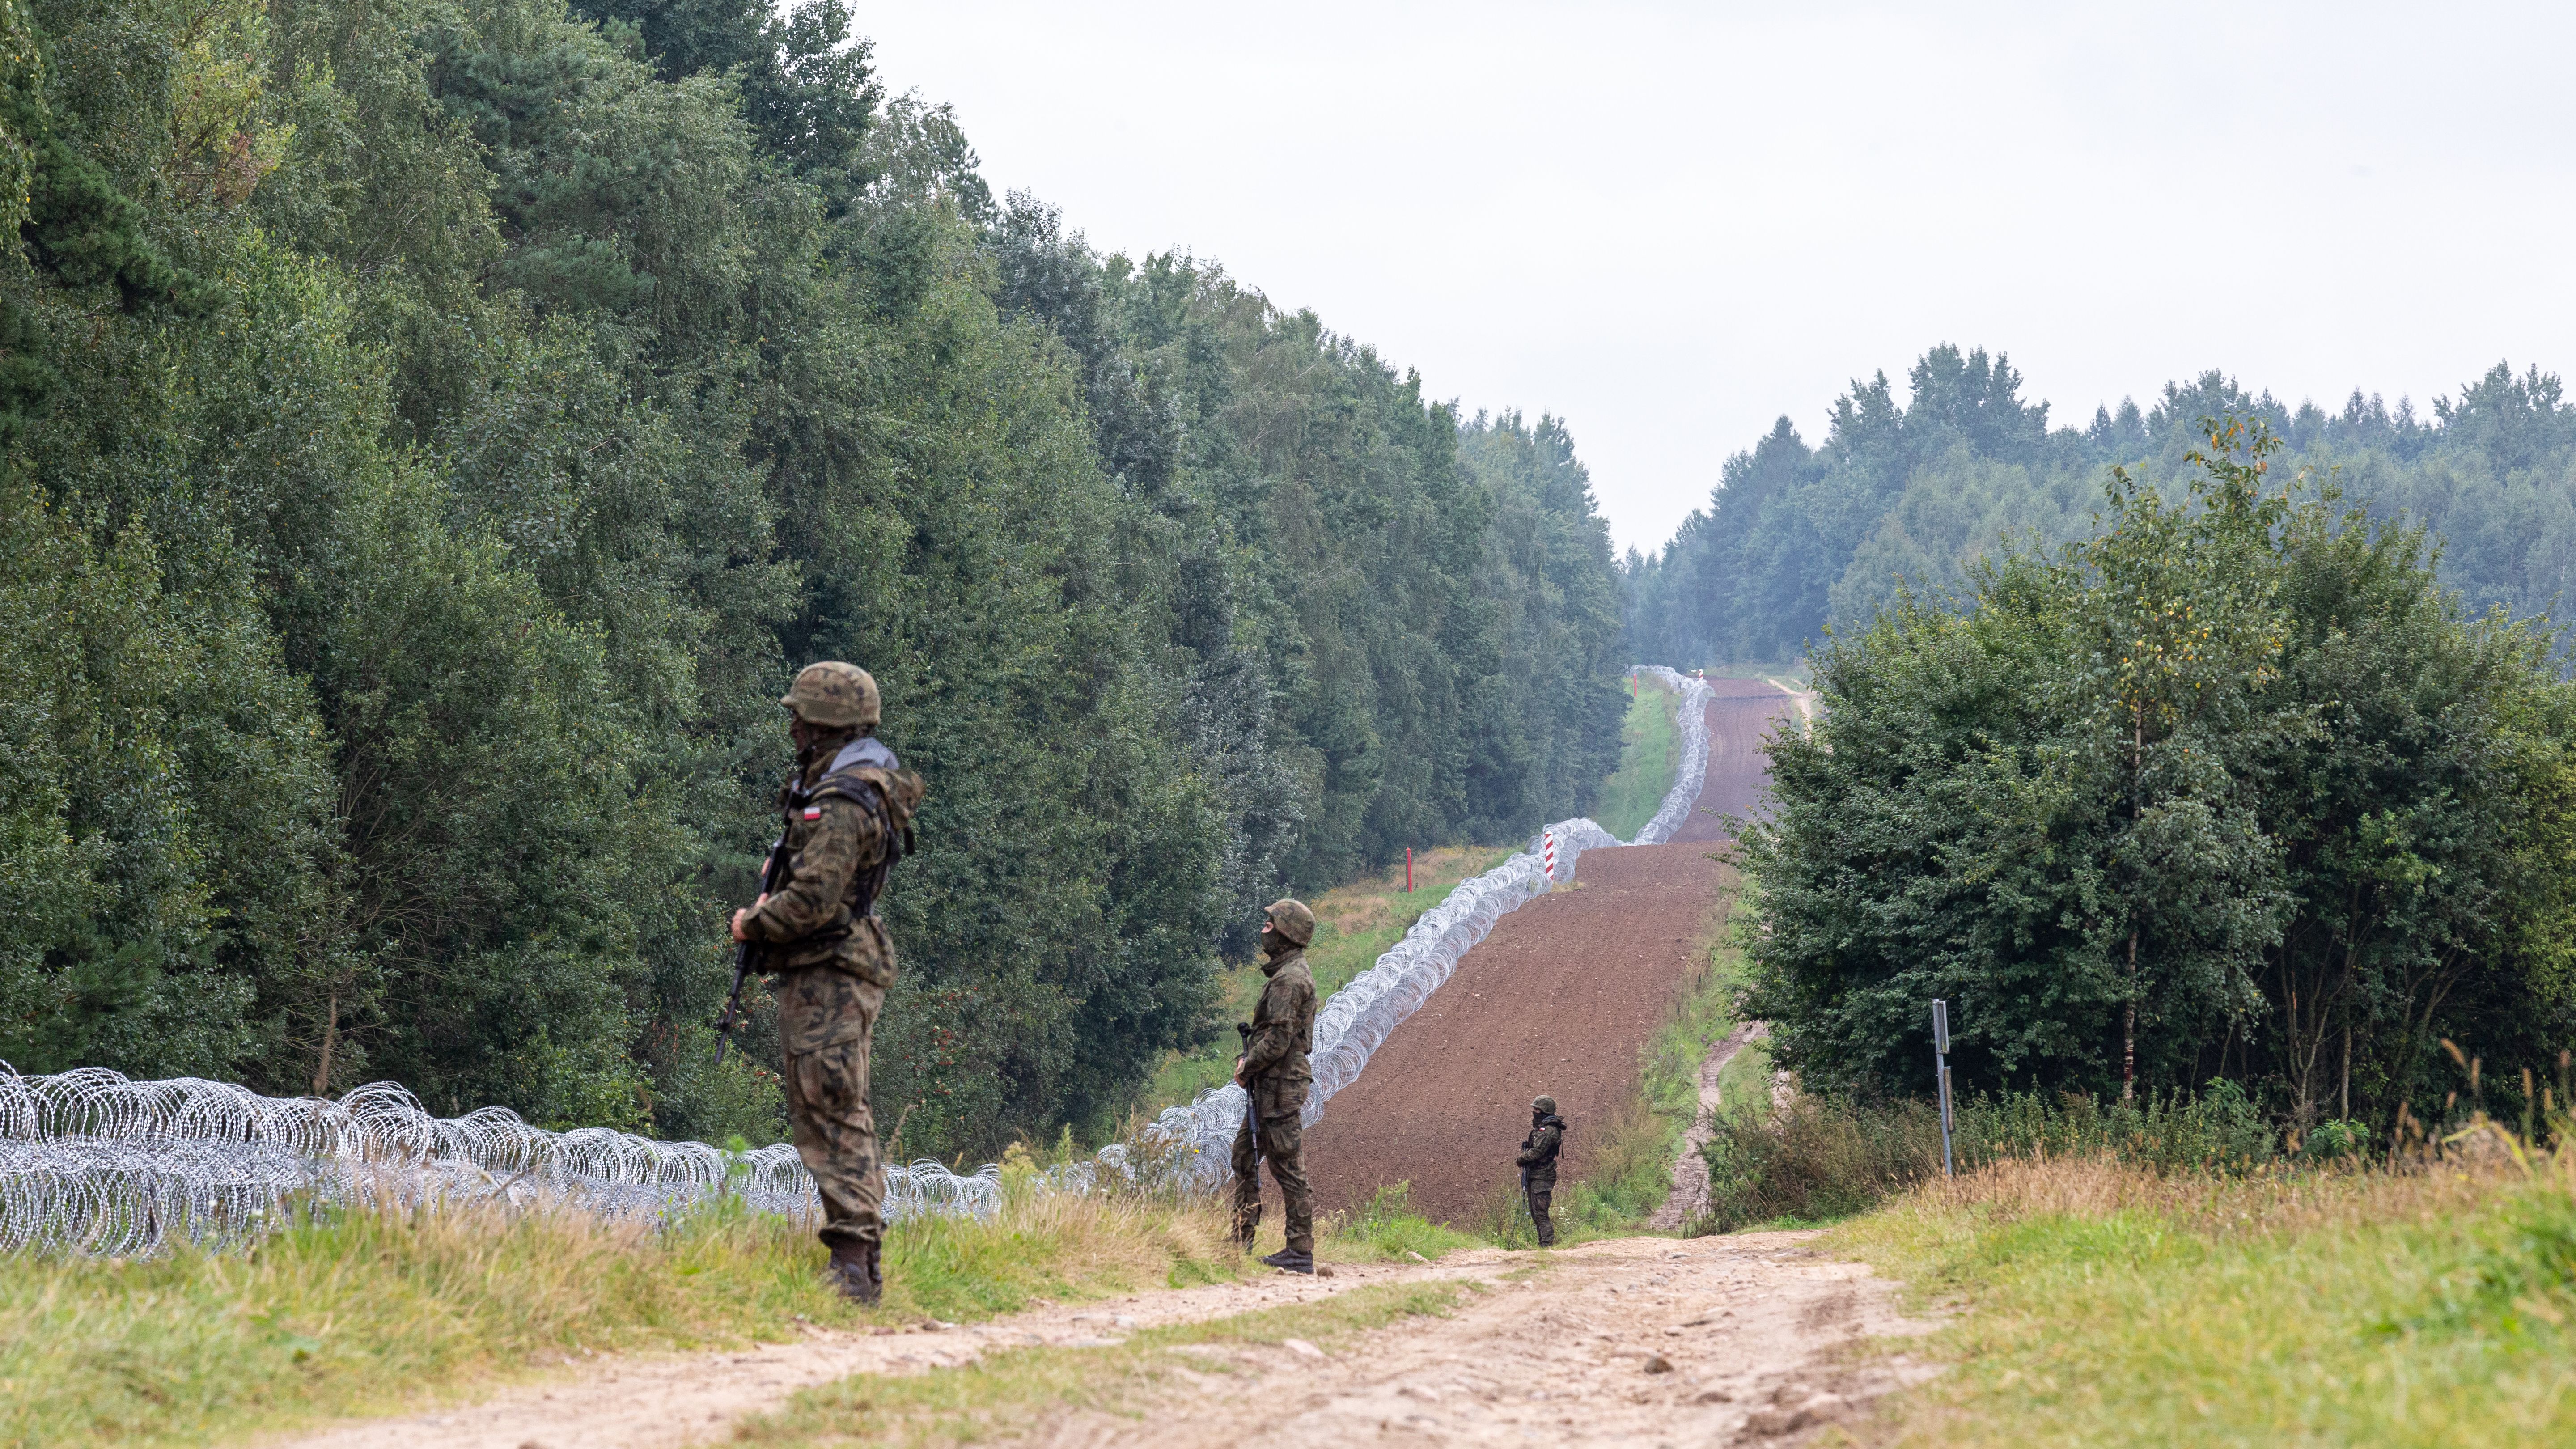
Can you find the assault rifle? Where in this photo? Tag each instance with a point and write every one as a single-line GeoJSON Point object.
{"type": "Point", "coordinates": [1251, 1118]}
{"type": "Point", "coordinates": [743, 958]}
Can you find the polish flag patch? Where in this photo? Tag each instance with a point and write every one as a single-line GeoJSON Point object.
{"type": "Point", "coordinates": [813, 812]}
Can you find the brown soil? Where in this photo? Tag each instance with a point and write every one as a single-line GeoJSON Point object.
{"type": "Point", "coordinates": [1742, 715]}
{"type": "Point", "coordinates": [1558, 1000]}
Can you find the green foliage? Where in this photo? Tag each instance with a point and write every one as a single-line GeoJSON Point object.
{"type": "Point", "coordinates": [433, 435]}
{"type": "Point", "coordinates": [1389, 1230]}
{"type": "Point", "coordinates": [1796, 542]}
{"type": "Point", "coordinates": [2231, 789]}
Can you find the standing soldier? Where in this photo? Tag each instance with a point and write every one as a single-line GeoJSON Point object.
{"type": "Point", "coordinates": [1538, 1165]}
{"type": "Point", "coordinates": [1273, 1070]}
{"type": "Point", "coordinates": [848, 811]}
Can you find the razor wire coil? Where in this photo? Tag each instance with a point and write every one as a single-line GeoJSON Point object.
{"type": "Point", "coordinates": [96, 1164]}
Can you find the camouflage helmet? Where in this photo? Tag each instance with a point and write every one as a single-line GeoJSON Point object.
{"type": "Point", "coordinates": [1544, 1106]}
{"type": "Point", "coordinates": [834, 695]}
{"type": "Point", "coordinates": [1291, 919]}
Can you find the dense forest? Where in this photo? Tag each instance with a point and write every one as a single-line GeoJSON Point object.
{"type": "Point", "coordinates": [2232, 789]}
{"type": "Point", "coordinates": [435, 432]}
{"type": "Point", "coordinates": [1796, 540]}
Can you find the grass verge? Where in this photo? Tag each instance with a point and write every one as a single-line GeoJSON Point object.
{"type": "Point", "coordinates": [382, 1311]}
{"type": "Point", "coordinates": [1354, 925]}
{"type": "Point", "coordinates": [1009, 1392]}
{"type": "Point", "coordinates": [2113, 1305]}
{"type": "Point", "coordinates": [1388, 1230]}
{"type": "Point", "coordinates": [1649, 752]}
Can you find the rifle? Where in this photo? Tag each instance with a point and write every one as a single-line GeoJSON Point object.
{"type": "Point", "coordinates": [742, 957]}
{"type": "Point", "coordinates": [1251, 1118]}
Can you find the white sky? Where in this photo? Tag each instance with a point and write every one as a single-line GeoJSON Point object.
{"type": "Point", "coordinates": [1670, 224]}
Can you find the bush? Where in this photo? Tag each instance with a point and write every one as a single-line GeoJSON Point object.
{"type": "Point", "coordinates": [1829, 1157]}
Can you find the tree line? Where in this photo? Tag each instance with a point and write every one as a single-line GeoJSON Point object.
{"type": "Point", "coordinates": [434, 432]}
{"type": "Point", "coordinates": [1913, 489]}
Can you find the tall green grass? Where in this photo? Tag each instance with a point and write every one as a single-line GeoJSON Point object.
{"type": "Point", "coordinates": [1389, 1230]}
{"type": "Point", "coordinates": [1649, 752]}
{"type": "Point", "coordinates": [2117, 1305]}
{"type": "Point", "coordinates": [369, 1312]}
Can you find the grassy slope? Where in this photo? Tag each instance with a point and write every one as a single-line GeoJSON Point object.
{"type": "Point", "coordinates": [378, 1312]}
{"type": "Point", "coordinates": [2114, 1307]}
{"type": "Point", "coordinates": [1649, 750]}
{"type": "Point", "coordinates": [1354, 925]}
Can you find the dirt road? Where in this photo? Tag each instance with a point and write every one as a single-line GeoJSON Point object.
{"type": "Point", "coordinates": [1641, 1341]}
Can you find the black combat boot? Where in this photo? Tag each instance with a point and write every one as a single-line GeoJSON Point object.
{"type": "Point", "coordinates": [1289, 1260]}
{"type": "Point", "coordinates": [853, 1270]}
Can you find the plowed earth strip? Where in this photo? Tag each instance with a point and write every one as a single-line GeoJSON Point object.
{"type": "Point", "coordinates": [1557, 1001]}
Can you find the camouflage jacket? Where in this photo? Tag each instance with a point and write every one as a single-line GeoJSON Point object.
{"type": "Point", "coordinates": [1540, 1147]}
{"type": "Point", "coordinates": [1283, 1025]}
{"type": "Point", "coordinates": [844, 815]}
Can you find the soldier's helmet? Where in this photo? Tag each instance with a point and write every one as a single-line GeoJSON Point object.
{"type": "Point", "coordinates": [833, 695]}
{"type": "Point", "coordinates": [1291, 919]}
{"type": "Point", "coordinates": [1544, 1106]}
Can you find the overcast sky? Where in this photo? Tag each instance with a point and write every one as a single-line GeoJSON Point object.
{"type": "Point", "coordinates": [1670, 224]}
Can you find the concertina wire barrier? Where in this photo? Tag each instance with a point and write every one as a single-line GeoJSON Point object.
{"type": "Point", "coordinates": [95, 1164]}
{"type": "Point", "coordinates": [92, 1163]}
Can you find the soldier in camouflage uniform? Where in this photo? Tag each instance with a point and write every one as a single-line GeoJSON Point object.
{"type": "Point", "coordinates": [1538, 1165]}
{"type": "Point", "coordinates": [1273, 1069]}
{"type": "Point", "coordinates": [848, 811]}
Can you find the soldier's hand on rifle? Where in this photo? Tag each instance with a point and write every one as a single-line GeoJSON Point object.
{"type": "Point", "coordinates": [1238, 1073]}
{"type": "Point", "coordinates": [740, 915]}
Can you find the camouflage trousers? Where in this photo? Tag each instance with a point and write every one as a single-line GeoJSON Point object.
{"type": "Point", "coordinates": [1281, 1139]}
{"type": "Point", "coordinates": [1542, 1193]}
{"type": "Point", "coordinates": [827, 1105]}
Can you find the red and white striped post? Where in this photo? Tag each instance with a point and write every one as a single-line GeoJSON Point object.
{"type": "Point", "coordinates": [1408, 870]}
{"type": "Point", "coordinates": [1549, 855]}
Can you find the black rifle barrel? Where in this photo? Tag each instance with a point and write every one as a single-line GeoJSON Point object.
{"type": "Point", "coordinates": [742, 957]}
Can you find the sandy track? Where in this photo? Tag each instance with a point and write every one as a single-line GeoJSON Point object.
{"type": "Point", "coordinates": [1750, 1331]}
{"type": "Point", "coordinates": [1637, 1341]}
{"type": "Point", "coordinates": [644, 1402]}
{"type": "Point", "coordinates": [1690, 1173]}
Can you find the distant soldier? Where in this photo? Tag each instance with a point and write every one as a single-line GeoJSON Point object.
{"type": "Point", "coordinates": [1274, 1071]}
{"type": "Point", "coordinates": [848, 811]}
{"type": "Point", "coordinates": [1538, 1165]}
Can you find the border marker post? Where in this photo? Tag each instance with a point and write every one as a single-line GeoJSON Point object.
{"type": "Point", "coordinates": [1941, 1074]}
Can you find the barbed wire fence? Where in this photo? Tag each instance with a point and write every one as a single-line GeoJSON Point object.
{"type": "Point", "coordinates": [95, 1164]}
